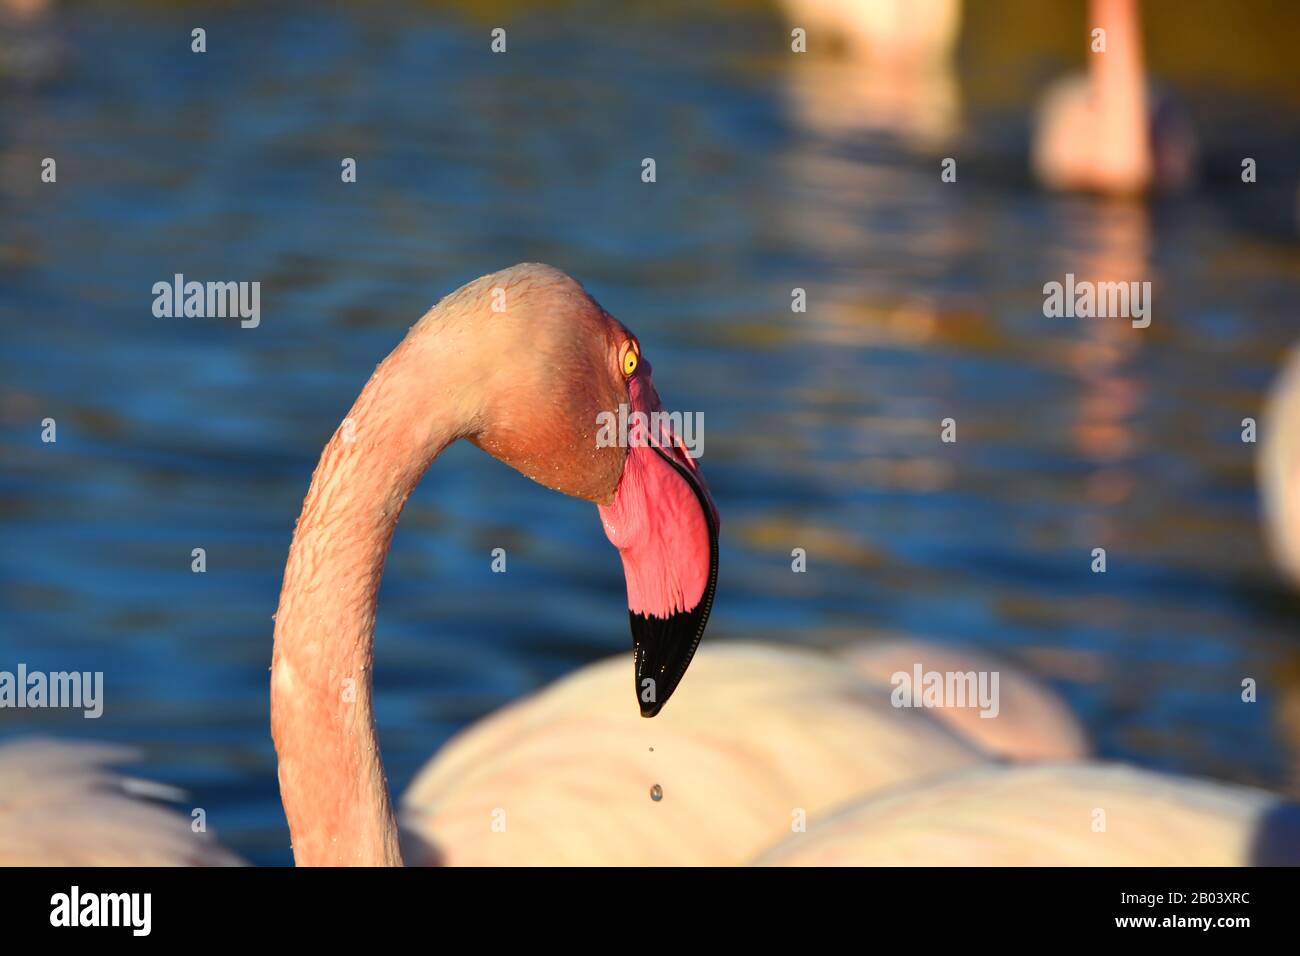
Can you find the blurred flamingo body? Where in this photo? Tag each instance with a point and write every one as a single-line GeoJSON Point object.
{"type": "Point", "coordinates": [62, 805]}
{"type": "Point", "coordinates": [1053, 815]}
{"type": "Point", "coordinates": [901, 34]}
{"type": "Point", "coordinates": [895, 75]}
{"type": "Point", "coordinates": [763, 737]}
{"type": "Point", "coordinates": [1278, 467]}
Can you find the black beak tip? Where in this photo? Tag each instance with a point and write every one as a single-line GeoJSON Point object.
{"type": "Point", "coordinates": [663, 648]}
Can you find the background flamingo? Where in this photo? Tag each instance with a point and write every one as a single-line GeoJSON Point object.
{"type": "Point", "coordinates": [762, 738]}
{"type": "Point", "coordinates": [1278, 467]}
{"type": "Point", "coordinates": [894, 73]}
{"type": "Point", "coordinates": [1054, 815]}
{"type": "Point", "coordinates": [61, 804]}
{"type": "Point", "coordinates": [905, 35]}
{"type": "Point", "coordinates": [1106, 132]}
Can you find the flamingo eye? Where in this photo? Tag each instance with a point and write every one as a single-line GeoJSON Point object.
{"type": "Point", "coordinates": [630, 361]}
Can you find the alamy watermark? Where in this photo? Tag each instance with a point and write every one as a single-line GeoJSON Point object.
{"type": "Point", "coordinates": [75, 908]}
{"type": "Point", "coordinates": [630, 429]}
{"type": "Point", "coordinates": [209, 300]}
{"type": "Point", "coordinates": [922, 688]}
{"type": "Point", "coordinates": [74, 690]}
{"type": "Point", "coordinates": [1084, 299]}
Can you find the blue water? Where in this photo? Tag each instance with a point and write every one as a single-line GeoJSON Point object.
{"type": "Point", "coordinates": [821, 428]}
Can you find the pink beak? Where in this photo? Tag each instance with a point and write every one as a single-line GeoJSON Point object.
{"type": "Point", "coordinates": [665, 526]}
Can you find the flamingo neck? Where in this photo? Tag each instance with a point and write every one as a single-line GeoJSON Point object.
{"type": "Point", "coordinates": [332, 780]}
{"type": "Point", "coordinates": [1119, 87]}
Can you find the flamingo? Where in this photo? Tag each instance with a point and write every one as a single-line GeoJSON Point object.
{"type": "Point", "coordinates": [895, 75]}
{"type": "Point", "coordinates": [1278, 468]}
{"type": "Point", "coordinates": [902, 35]}
{"type": "Point", "coordinates": [1053, 815]}
{"type": "Point", "coordinates": [521, 362]}
{"type": "Point", "coordinates": [62, 805]}
{"type": "Point", "coordinates": [1106, 132]}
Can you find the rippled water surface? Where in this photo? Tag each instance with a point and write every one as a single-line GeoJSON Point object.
{"type": "Point", "coordinates": [821, 428]}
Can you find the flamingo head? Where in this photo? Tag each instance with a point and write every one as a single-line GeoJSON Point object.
{"type": "Point", "coordinates": [577, 411]}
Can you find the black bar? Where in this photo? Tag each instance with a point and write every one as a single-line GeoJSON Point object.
{"type": "Point", "coordinates": [925, 905]}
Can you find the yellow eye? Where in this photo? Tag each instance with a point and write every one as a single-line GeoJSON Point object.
{"type": "Point", "coordinates": [629, 362]}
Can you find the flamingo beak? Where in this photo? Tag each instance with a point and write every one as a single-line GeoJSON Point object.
{"type": "Point", "coordinates": [664, 643]}
{"type": "Point", "coordinates": [665, 526]}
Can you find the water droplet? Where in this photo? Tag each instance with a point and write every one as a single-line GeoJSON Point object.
{"type": "Point", "coordinates": [656, 793]}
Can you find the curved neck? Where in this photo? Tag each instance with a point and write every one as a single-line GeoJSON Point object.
{"type": "Point", "coordinates": [332, 778]}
